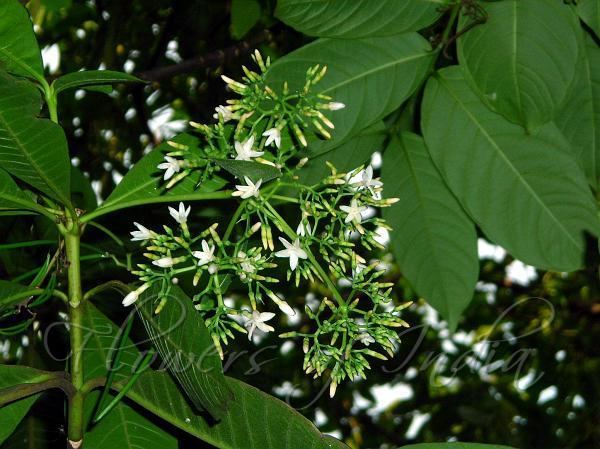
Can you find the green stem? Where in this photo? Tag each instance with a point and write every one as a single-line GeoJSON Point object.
{"type": "Point", "coordinates": [76, 401]}
{"type": "Point", "coordinates": [291, 234]}
{"type": "Point", "coordinates": [117, 285]}
{"type": "Point", "coordinates": [46, 382]}
{"type": "Point", "coordinates": [450, 24]}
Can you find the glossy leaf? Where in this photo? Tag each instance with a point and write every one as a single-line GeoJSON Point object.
{"type": "Point", "coordinates": [11, 196]}
{"type": "Point", "coordinates": [522, 60]}
{"type": "Point", "coordinates": [526, 192]}
{"type": "Point", "coordinates": [433, 239]}
{"type": "Point", "coordinates": [12, 414]}
{"type": "Point", "coordinates": [247, 419]}
{"type": "Point", "coordinates": [579, 117]}
{"type": "Point", "coordinates": [19, 52]}
{"type": "Point", "coordinates": [255, 420]}
{"type": "Point", "coordinates": [244, 15]}
{"type": "Point", "coordinates": [92, 78]}
{"type": "Point", "coordinates": [357, 18]}
{"type": "Point", "coordinates": [183, 342]}
{"type": "Point", "coordinates": [123, 426]}
{"type": "Point", "coordinates": [589, 12]}
{"type": "Point", "coordinates": [32, 149]}
{"type": "Point", "coordinates": [372, 76]}
{"type": "Point", "coordinates": [253, 170]}
{"type": "Point", "coordinates": [143, 184]}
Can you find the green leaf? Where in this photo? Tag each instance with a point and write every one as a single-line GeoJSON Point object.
{"type": "Point", "coordinates": [183, 342]}
{"type": "Point", "coordinates": [12, 293]}
{"type": "Point", "coordinates": [371, 76]}
{"type": "Point", "coordinates": [345, 157]}
{"type": "Point", "coordinates": [92, 78]}
{"type": "Point", "coordinates": [526, 192]}
{"type": "Point", "coordinates": [454, 446]}
{"type": "Point", "coordinates": [244, 15]}
{"type": "Point", "coordinates": [12, 414]}
{"type": "Point", "coordinates": [125, 428]}
{"type": "Point", "coordinates": [357, 18]}
{"type": "Point", "coordinates": [589, 12]}
{"type": "Point", "coordinates": [579, 117]}
{"type": "Point", "coordinates": [523, 59]}
{"type": "Point", "coordinates": [433, 239]}
{"type": "Point", "coordinates": [248, 415]}
{"type": "Point", "coordinates": [143, 184]}
{"type": "Point", "coordinates": [19, 52]}
{"type": "Point", "coordinates": [253, 170]}
{"type": "Point", "coordinates": [32, 149]}
{"type": "Point", "coordinates": [255, 420]}
{"type": "Point", "coordinates": [11, 196]}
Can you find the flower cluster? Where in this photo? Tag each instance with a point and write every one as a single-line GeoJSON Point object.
{"type": "Point", "coordinates": [261, 126]}
{"type": "Point", "coordinates": [335, 234]}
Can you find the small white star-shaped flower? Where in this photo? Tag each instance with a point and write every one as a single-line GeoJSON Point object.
{"type": "Point", "coordinates": [180, 216]}
{"type": "Point", "coordinates": [365, 179]}
{"type": "Point", "coordinates": [273, 135]}
{"type": "Point", "coordinates": [207, 255]}
{"type": "Point", "coordinates": [293, 251]}
{"type": "Point", "coordinates": [143, 233]}
{"type": "Point", "coordinates": [248, 190]}
{"type": "Point", "coordinates": [171, 166]}
{"type": "Point", "coordinates": [354, 211]}
{"type": "Point", "coordinates": [244, 150]}
{"type": "Point", "coordinates": [258, 321]}
{"type": "Point", "coordinates": [223, 112]}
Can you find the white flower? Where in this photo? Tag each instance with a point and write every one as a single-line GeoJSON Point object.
{"type": "Point", "coordinates": [143, 233]}
{"type": "Point", "coordinates": [207, 254]}
{"type": "Point", "coordinates": [171, 166]}
{"type": "Point", "coordinates": [164, 262]}
{"type": "Point", "coordinates": [354, 211]}
{"type": "Point", "coordinates": [366, 179]}
{"type": "Point", "coordinates": [303, 229]}
{"type": "Point", "coordinates": [249, 190]}
{"type": "Point", "coordinates": [180, 216]}
{"type": "Point", "coordinates": [335, 106]}
{"type": "Point", "coordinates": [244, 150]}
{"type": "Point", "coordinates": [366, 339]}
{"type": "Point", "coordinates": [293, 251]}
{"type": "Point", "coordinates": [223, 112]}
{"type": "Point", "coordinates": [273, 135]}
{"type": "Point", "coordinates": [134, 295]}
{"type": "Point", "coordinates": [258, 320]}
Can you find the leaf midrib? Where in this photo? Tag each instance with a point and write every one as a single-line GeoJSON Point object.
{"type": "Point", "coordinates": [17, 141]}
{"type": "Point", "coordinates": [509, 163]}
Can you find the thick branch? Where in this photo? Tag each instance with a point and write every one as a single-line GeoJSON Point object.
{"type": "Point", "coordinates": [212, 59]}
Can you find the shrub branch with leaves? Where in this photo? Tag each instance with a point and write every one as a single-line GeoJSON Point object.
{"type": "Point", "coordinates": [494, 128]}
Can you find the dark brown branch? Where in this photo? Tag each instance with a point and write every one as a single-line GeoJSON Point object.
{"type": "Point", "coordinates": [212, 59]}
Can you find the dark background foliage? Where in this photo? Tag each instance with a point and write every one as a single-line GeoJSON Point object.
{"type": "Point", "coordinates": [181, 47]}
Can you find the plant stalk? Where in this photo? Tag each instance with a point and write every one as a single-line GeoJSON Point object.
{"type": "Point", "coordinates": [76, 401]}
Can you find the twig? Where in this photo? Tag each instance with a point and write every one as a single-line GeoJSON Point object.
{"type": "Point", "coordinates": [212, 59]}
